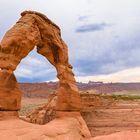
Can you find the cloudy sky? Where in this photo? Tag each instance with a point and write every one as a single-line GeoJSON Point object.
{"type": "Point", "coordinates": [103, 38]}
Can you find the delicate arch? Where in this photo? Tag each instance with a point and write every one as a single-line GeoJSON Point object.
{"type": "Point", "coordinates": [35, 29]}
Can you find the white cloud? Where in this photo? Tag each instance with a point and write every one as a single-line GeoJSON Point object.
{"type": "Point", "coordinates": [35, 66]}
{"type": "Point", "coordinates": [23, 72]}
{"type": "Point", "coordinates": [124, 16]}
{"type": "Point", "coordinates": [128, 75]}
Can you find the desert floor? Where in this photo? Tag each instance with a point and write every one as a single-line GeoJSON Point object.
{"type": "Point", "coordinates": [103, 115]}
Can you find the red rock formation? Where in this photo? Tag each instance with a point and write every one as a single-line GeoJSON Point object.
{"type": "Point", "coordinates": [10, 94]}
{"type": "Point", "coordinates": [70, 126]}
{"type": "Point", "coordinates": [35, 29]}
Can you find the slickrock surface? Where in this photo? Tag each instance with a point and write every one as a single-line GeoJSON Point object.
{"type": "Point", "coordinates": [66, 128]}
{"type": "Point", "coordinates": [125, 135]}
{"type": "Point", "coordinates": [69, 126]}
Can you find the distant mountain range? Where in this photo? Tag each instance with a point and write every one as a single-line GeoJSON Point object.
{"type": "Point", "coordinates": [42, 89]}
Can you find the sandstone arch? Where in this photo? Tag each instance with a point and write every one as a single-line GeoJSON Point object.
{"type": "Point", "coordinates": [35, 29]}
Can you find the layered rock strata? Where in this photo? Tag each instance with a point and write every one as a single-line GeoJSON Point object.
{"type": "Point", "coordinates": [35, 29]}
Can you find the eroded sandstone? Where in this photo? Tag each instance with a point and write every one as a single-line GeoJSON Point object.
{"type": "Point", "coordinates": [69, 126]}
{"type": "Point", "coordinates": [35, 29]}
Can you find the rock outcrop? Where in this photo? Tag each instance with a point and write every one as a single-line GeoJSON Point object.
{"type": "Point", "coordinates": [35, 29]}
{"type": "Point", "coordinates": [68, 126]}
{"type": "Point", "coordinates": [44, 114]}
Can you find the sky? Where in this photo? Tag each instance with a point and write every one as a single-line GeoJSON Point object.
{"type": "Point", "coordinates": [103, 38]}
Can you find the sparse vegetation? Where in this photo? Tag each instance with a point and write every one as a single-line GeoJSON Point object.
{"type": "Point", "coordinates": [126, 97]}
{"type": "Point", "coordinates": [121, 97]}
{"type": "Point", "coordinates": [35, 95]}
{"type": "Point", "coordinates": [28, 108]}
{"type": "Point", "coordinates": [29, 104]}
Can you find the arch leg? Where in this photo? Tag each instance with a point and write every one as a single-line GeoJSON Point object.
{"type": "Point", "coordinates": [68, 94]}
{"type": "Point", "coordinates": [10, 94]}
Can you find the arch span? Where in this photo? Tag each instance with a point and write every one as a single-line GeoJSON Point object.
{"type": "Point", "coordinates": [35, 29]}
